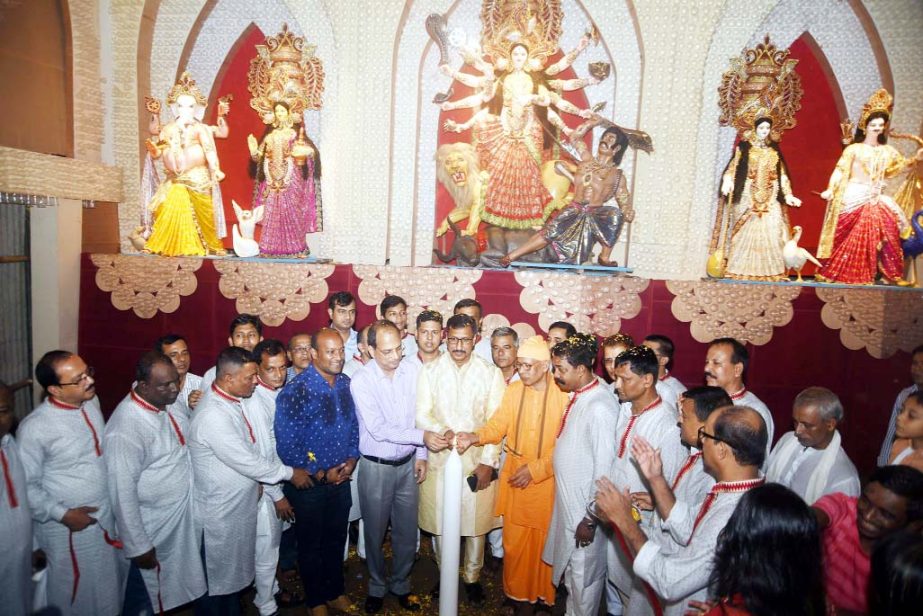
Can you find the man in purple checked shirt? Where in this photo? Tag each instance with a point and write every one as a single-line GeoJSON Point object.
{"type": "Point", "coordinates": [393, 462]}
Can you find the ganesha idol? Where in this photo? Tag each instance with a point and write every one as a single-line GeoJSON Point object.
{"type": "Point", "coordinates": [185, 215]}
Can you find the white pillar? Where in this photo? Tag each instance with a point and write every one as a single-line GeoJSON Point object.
{"type": "Point", "coordinates": [451, 535]}
{"type": "Point", "coordinates": [56, 236]}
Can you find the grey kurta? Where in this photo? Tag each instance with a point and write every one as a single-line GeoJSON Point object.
{"type": "Point", "coordinates": [61, 451]}
{"type": "Point", "coordinates": [583, 454]}
{"type": "Point", "coordinates": [228, 469]}
{"type": "Point", "coordinates": [150, 486]}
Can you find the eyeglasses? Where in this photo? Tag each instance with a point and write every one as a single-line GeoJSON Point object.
{"type": "Point", "coordinates": [525, 366]}
{"type": "Point", "coordinates": [703, 433]}
{"type": "Point", "coordinates": [301, 350]}
{"type": "Point", "coordinates": [89, 374]}
{"type": "Point", "coordinates": [461, 341]}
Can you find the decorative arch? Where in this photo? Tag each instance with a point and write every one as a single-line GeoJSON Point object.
{"type": "Point", "coordinates": [414, 119]}
{"type": "Point", "coordinates": [201, 36]}
{"type": "Point", "coordinates": [854, 68]}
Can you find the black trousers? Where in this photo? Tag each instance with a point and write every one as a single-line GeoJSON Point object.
{"type": "Point", "coordinates": [321, 514]}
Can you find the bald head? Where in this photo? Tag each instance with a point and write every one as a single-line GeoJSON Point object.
{"type": "Point", "coordinates": [327, 352]}
{"type": "Point", "coordinates": [744, 431]}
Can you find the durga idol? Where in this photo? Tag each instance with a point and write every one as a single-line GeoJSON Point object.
{"type": "Point", "coordinates": [186, 219]}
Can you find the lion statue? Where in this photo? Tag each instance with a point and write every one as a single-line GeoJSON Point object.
{"type": "Point", "coordinates": [458, 169]}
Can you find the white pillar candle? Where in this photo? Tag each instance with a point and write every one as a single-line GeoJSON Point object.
{"type": "Point", "coordinates": [451, 535]}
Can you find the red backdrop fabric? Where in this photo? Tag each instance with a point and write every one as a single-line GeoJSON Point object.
{"type": "Point", "coordinates": [805, 352]}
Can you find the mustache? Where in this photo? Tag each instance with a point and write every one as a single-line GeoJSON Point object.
{"type": "Point", "coordinates": [709, 375]}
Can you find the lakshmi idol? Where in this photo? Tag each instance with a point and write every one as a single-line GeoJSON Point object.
{"type": "Point", "coordinates": [862, 226]}
{"type": "Point", "coordinates": [287, 170]}
{"type": "Point", "coordinates": [186, 220]}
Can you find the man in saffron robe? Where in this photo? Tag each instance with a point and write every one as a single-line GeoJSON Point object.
{"type": "Point", "coordinates": [528, 417]}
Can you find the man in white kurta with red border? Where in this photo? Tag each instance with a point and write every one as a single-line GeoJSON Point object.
{"type": "Point", "coordinates": [150, 486]}
{"type": "Point", "coordinates": [61, 446]}
{"type": "Point", "coordinates": [669, 387]}
{"type": "Point", "coordinates": [643, 413]}
{"type": "Point", "coordinates": [726, 364]}
{"type": "Point", "coordinates": [584, 452]}
{"type": "Point", "coordinates": [15, 518]}
{"type": "Point", "coordinates": [733, 445]}
{"type": "Point", "coordinates": [274, 508]}
{"type": "Point", "coordinates": [228, 471]}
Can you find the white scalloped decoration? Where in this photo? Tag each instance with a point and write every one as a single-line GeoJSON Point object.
{"type": "Point", "coordinates": [146, 285]}
{"type": "Point", "coordinates": [880, 321]}
{"type": "Point", "coordinates": [423, 288]}
{"type": "Point", "coordinates": [494, 320]}
{"type": "Point", "coordinates": [592, 304]}
{"type": "Point", "coordinates": [747, 312]}
{"type": "Point", "coordinates": [274, 291]}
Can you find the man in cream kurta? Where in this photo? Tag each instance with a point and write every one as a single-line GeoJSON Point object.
{"type": "Point", "coordinates": [811, 461]}
{"type": "Point", "coordinates": [60, 443]}
{"type": "Point", "coordinates": [228, 469]}
{"type": "Point", "coordinates": [584, 453]}
{"type": "Point", "coordinates": [150, 487]}
{"type": "Point", "coordinates": [460, 392]}
{"type": "Point", "coordinates": [528, 419]}
{"type": "Point", "coordinates": [274, 508]}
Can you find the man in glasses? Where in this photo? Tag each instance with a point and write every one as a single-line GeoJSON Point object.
{"type": "Point", "coordinates": [643, 413]}
{"type": "Point", "coordinates": [473, 309]}
{"type": "Point", "coordinates": [150, 484]}
{"type": "Point", "coordinates": [528, 418]}
{"type": "Point", "coordinates": [460, 392]}
{"type": "Point", "coordinates": [299, 355]}
{"type": "Point", "coordinates": [61, 446]}
{"type": "Point", "coordinates": [392, 463]}
{"type": "Point", "coordinates": [675, 502]}
{"type": "Point", "coordinates": [733, 446]}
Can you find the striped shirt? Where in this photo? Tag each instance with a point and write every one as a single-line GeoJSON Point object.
{"type": "Point", "coordinates": [846, 566]}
